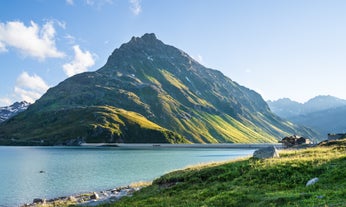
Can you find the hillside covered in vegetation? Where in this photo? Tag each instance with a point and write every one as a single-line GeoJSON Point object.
{"type": "Point", "coordinates": [251, 182]}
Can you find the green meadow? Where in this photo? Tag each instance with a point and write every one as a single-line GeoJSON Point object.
{"type": "Point", "coordinates": [251, 182]}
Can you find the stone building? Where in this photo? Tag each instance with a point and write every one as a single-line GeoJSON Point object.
{"type": "Point", "coordinates": [294, 140]}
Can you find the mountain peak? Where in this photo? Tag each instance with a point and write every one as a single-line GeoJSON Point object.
{"type": "Point", "coordinates": [287, 108]}
{"type": "Point", "coordinates": [327, 99]}
{"type": "Point", "coordinates": [146, 37]}
{"type": "Point", "coordinates": [9, 111]}
{"type": "Point", "coordinates": [149, 49]}
{"type": "Point", "coordinates": [145, 45]}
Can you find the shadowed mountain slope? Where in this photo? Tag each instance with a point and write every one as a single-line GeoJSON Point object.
{"type": "Point", "coordinates": [287, 108]}
{"type": "Point", "coordinates": [324, 114]}
{"type": "Point", "coordinates": [326, 121]}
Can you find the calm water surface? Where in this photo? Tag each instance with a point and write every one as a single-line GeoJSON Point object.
{"type": "Point", "coordinates": [71, 170]}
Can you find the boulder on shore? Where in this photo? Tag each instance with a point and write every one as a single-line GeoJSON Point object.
{"type": "Point", "coordinates": [95, 196]}
{"type": "Point", "coordinates": [267, 152]}
{"type": "Point", "coordinates": [38, 200]}
{"type": "Point", "coordinates": [71, 198]}
{"type": "Point", "coordinates": [86, 199]}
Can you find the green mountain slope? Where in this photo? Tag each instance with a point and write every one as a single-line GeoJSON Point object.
{"type": "Point", "coordinates": [162, 84]}
{"type": "Point", "coordinates": [91, 124]}
{"type": "Point", "coordinates": [250, 182]}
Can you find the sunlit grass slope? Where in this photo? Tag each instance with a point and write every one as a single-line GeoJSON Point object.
{"type": "Point", "coordinates": [93, 124]}
{"type": "Point", "coordinates": [249, 182]}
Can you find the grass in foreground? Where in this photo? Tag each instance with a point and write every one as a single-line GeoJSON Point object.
{"type": "Point", "coordinates": [249, 182]}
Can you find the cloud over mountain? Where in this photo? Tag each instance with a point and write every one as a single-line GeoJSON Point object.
{"type": "Point", "coordinates": [33, 40]}
{"type": "Point", "coordinates": [136, 7]}
{"type": "Point", "coordinates": [30, 87]}
{"type": "Point", "coordinates": [81, 62]}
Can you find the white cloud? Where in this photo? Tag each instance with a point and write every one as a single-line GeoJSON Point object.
{"type": "Point", "coordinates": [2, 47]}
{"type": "Point", "coordinates": [70, 2]}
{"type": "Point", "coordinates": [90, 2]}
{"type": "Point", "coordinates": [61, 24]}
{"type": "Point", "coordinates": [81, 62]}
{"type": "Point", "coordinates": [98, 3]}
{"type": "Point", "coordinates": [30, 40]}
{"type": "Point", "coordinates": [70, 39]}
{"type": "Point", "coordinates": [5, 102]}
{"type": "Point", "coordinates": [135, 6]}
{"type": "Point", "coordinates": [30, 88]}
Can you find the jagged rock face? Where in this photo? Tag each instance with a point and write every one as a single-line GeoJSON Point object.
{"type": "Point", "coordinates": [169, 89]}
{"type": "Point", "coordinates": [9, 111]}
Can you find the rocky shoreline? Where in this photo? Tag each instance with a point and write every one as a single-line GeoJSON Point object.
{"type": "Point", "coordinates": [86, 199]}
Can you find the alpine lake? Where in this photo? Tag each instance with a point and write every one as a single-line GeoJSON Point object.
{"type": "Point", "coordinates": [49, 172]}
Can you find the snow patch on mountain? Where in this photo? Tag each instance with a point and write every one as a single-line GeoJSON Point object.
{"type": "Point", "coordinates": [7, 112]}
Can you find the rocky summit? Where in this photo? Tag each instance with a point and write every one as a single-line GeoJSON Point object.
{"type": "Point", "coordinates": [7, 112]}
{"type": "Point", "coordinates": [148, 92]}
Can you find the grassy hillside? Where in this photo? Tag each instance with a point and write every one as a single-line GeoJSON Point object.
{"type": "Point", "coordinates": [90, 124]}
{"type": "Point", "coordinates": [248, 182]}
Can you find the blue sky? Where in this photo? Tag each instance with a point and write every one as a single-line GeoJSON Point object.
{"type": "Point", "coordinates": [279, 48]}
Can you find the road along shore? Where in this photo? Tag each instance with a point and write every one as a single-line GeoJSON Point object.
{"type": "Point", "coordinates": [160, 145]}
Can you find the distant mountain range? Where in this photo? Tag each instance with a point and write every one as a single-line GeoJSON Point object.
{"type": "Point", "coordinates": [325, 114]}
{"type": "Point", "coordinates": [148, 92]}
{"type": "Point", "coordinates": [287, 108]}
{"type": "Point", "coordinates": [9, 111]}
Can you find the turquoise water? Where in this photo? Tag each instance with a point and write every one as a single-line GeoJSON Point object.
{"type": "Point", "coordinates": [71, 170]}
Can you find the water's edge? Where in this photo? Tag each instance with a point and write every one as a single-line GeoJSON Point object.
{"type": "Point", "coordinates": [87, 199]}
{"type": "Point", "coordinates": [159, 145]}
